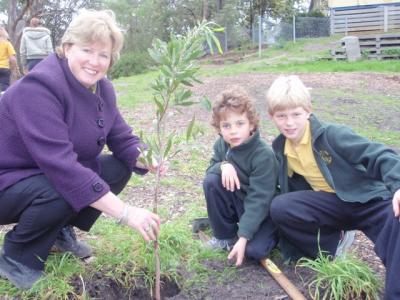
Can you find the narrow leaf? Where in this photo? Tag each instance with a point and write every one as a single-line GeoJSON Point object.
{"type": "Point", "coordinates": [190, 128]}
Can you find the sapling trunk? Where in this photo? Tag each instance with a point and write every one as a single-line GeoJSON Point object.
{"type": "Point", "coordinates": [159, 133]}
{"type": "Point", "coordinates": [157, 286]}
{"type": "Point", "coordinates": [177, 60]}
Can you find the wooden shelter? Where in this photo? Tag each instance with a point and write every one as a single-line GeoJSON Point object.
{"type": "Point", "coordinates": [364, 16]}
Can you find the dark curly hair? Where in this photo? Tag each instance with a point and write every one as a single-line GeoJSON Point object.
{"type": "Point", "coordinates": [234, 99]}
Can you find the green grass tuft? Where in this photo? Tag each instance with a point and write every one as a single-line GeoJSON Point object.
{"type": "Point", "coordinates": [343, 278]}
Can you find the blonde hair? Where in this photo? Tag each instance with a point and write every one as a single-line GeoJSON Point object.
{"type": "Point", "coordinates": [234, 99]}
{"type": "Point", "coordinates": [93, 26]}
{"type": "Point", "coordinates": [288, 92]}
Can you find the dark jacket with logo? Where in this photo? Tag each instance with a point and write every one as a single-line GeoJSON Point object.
{"type": "Point", "coordinates": [356, 168]}
{"type": "Point", "coordinates": [51, 124]}
{"type": "Point", "coordinates": [257, 170]}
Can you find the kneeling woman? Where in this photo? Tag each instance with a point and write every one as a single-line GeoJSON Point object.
{"type": "Point", "coordinates": [54, 124]}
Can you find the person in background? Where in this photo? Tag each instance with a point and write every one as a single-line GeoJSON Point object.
{"type": "Point", "coordinates": [54, 125]}
{"type": "Point", "coordinates": [35, 44]}
{"type": "Point", "coordinates": [7, 60]}
{"type": "Point", "coordinates": [240, 181]}
{"type": "Point", "coordinates": [332, 179]}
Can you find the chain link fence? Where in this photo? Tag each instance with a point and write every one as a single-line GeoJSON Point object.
{"type": "Point", "coordinates": [272, 33]}
{"type": "Point", "coordinates": [304, 27]}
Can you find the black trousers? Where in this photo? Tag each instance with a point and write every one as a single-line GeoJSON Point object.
{"type": "Point", "coordinates": [5, 75]}
{"type": "Point", "coordinates": [224, 211]}
{"type": "Point", "coordinates": [32, 62]}
{"type": "Point", "coordinates": [301, 215]}
{"type": "Point", "coordinates": [40, 213]}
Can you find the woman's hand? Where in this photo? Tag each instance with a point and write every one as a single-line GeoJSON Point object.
{"type": "Point", "coordinates": [163, 168]}
{"type": "Point", "coordinates": [229, 177]}
{"type": "Point", "coordinates": [153, 167]}
{"type": "Point", "coordinates": [238, 251]}
{"type": "Point", "coordinates": [145, 222]}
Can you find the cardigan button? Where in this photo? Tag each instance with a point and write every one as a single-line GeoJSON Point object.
{"type": "Point", "coordinates": [100, 123]}
{"type": "Point", "coordinates": [101, 141]}
{"type": "Point", "coordinates": [97, 187]}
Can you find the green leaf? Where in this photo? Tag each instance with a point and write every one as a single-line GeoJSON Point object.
{"type": "Point", "coordinates": [217, 43]}
{"type": "Point", "coordinates": [218, 29]}
{"type": "Point", "coordinates": [206, 103]}
{"type": "Point", "coordinates": [186, 94]}
{"type": "Point", "coordinates": [187, 83]}
{"type": "Point", "coordinates": [169, 144]}
{"type": "Point", "coordinates": [197, 80]}
{"type": "Point", "coordinates": [166, 71]}
{"type": "Point", "coordinates": [187, 103]}
{"type": "Point", "coordinates": [190, 128]}
{"type": "Point", "coordinates": [160, 106]}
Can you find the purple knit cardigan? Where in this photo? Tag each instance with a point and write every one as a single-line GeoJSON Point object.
{"type": "Point", "coordinates": [51, 124]}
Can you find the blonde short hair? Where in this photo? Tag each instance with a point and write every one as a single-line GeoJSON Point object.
{"type": "Point", "coordinates": [92, 26]}
{"type": "Point", "coordinates": [288, 92]}
{"type": "Point", "coordinates": [234, 99]}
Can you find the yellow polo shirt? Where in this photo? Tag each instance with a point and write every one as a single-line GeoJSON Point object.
{"type": "Point", "coordinates": [301, 161]}
{"type": "Point", "coordinates": [6, 50]}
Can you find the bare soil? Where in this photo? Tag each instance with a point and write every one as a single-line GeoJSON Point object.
{"type": "Point", "coordinates": [250, 281]}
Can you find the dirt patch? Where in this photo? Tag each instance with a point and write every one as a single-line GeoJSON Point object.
{"type": "Point", "coordinates": [106, 288]}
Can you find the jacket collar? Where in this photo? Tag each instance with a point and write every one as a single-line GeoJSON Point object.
{"type": "Point", "coordinates": [250, 143]}
{"type": "Point", "coordinates": [316, 127]}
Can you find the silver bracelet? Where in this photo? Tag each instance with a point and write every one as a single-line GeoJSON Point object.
{"type": "Point", "coordinates": [123, 220]}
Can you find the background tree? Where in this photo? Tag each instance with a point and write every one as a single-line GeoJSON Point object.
{"type": "Point", "coordinates": [272, 9]}
{"type": "Point", "coordinates": [317, 5]}
{"type": "Point", "coordinates": [55, 15]}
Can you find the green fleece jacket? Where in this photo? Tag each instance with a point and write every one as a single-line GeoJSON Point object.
{"type": "Point", "coordinates": [257, 169]}
{"type": "Point", "coordinates": [357, 169]}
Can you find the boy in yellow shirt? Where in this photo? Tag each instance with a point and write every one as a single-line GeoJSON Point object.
{"type": "Point", "coordinates": [332, 179]}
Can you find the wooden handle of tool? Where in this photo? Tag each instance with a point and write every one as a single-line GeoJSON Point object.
{"type": "Point", "coordinates": [283, 281]}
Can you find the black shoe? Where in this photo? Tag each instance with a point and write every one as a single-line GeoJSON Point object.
{"type": "Point", "coordinates": [67, 242]}
{"type": "Point", "coordinates": [20, 275]}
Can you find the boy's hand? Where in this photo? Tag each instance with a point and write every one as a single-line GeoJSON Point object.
{"type": "Point", "coordinates": [396, 204]}
{"type": "Point", "coordinates": [229, 177]}
{"type": "Point", "coordinates": [238, 251]}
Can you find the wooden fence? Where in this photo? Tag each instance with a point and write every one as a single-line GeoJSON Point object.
{"type": "Point", "coordinates": [365, 20]}
{"type": "Point", "coordinates": [379, 46]}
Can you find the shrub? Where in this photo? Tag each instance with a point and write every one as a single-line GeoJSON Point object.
{"type": "Point", "coordinates": [392, 51]}
{"type": "Point", "coordinates": [130, 63]}
{"type": "Point", "coordinates": [343, 278]}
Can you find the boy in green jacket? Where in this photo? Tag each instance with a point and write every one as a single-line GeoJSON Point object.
{"type": "Point", "coordinates": [240, 181]}
{"type": "Point", "coordinates": [331, 180]}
